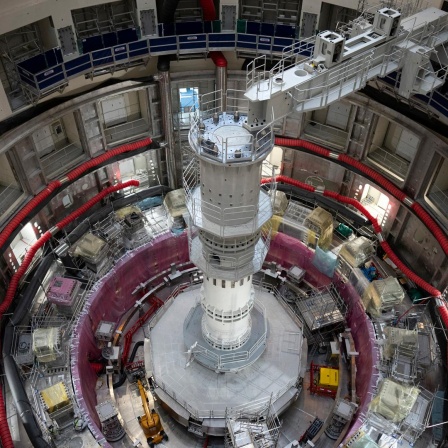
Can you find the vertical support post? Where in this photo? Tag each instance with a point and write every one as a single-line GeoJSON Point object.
{"type": "Point", "coordinates": [221, 86]}
{"type": "Point", "coordinates": [173, 154]}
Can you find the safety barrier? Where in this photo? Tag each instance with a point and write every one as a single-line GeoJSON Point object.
{"type": "Point", "coordinates": [47, 71]}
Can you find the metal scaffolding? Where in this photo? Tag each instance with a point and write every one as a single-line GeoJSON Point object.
{"type": "Point", "coordinates": [251, 427]}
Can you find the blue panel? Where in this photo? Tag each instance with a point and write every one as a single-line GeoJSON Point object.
{"type": "Point", "coordinates": [50, 77]}
{"type": "Point", "coordinates": [102, 57]}
{"type": "Point", "coordinates": [285, 31]}
{"type": "Point", "coordinates": [35, 64]}
{"type": "Point", "coordinates": [306, 50]}
{"type": "Point", "coordinates": [28, 81]}
{"type": "Point", "coordinates": [208, 27]}
{"type": "Point", "coordinates": [247, 41]}
{"type": "Point", "coordinates": [253, 28]}
{"type": "Point", "coordinates": [168, 29]}
{"type": "Point", "coordinates": [127, 35]}
{"type": "Point", "coordinates": [92, 43]}
{"type": "Point", "coordinates": [78, 65]}
{"type": "Point", "coordinates": [218, 40]}
{"type": "Point", "coordinates": [280, 43]}
{"type": "Point", "coordinates": [267, 29]}
{"type": "Point", "coordinates": [196, 38]}
{"type": "Point", "coordinates": [110, 39]}
{"type": "Point", "coordinates": [190, 42]}
{"type": "Point", "coordinates": [264, 43]}
{"type": "Point", "coordinates": [120, 52]}
{"type": "Point", "coordinates": [50, 58]}
{"type": "Point", "coordinates": [59, 58]}
{"type": "Point", "coordinates": [438, 102]}
{"type": "Point", "coordinates": [183, 28]}
{"type": "Point", "coordinates": [51, 82]}
{"type": "Point", "coordinates": [163, 44]}
{"type": "Point", "coordinates": [220, 37]}
{"type": "Point", "coordinates": [138, 48]}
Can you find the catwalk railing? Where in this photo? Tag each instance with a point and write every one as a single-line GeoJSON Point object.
{"type": "Point", "coordinates": [48, 71]}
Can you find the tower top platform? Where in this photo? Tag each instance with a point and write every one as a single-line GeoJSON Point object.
{"type": "Point", "coordinates": [224, 137]}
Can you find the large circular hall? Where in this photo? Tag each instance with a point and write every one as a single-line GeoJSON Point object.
{"type": "Point", "coordinates": [223, 224]}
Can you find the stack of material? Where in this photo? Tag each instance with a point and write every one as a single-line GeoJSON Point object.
{"type": "Point", "coordinates": [320, 226]}
{"type": "Point", "coordinates": [133, 222]}
{"type": "Point", "coordinates": [47, 344]}
{"type": "Point", "coordinates": [94, 252]}
{"type": "Point", "coordinates": [382, 295]}
{"type": "Point", "coordinates": [175, 207]}
{"type": "Point", "coordinates": [396, 337]}
{"type": "Point", "coordinates": [354, 254]}
{"type": "Point", "coordinates": [64, 293]}
{"type": "Point", "coordinates": [57, 403]}
{"type": "Point", "coordinates": [280, 203]}
{"type": "Point", "coordinates": [357, 252]}
{"type": "Point", "coordinates": [394, 401]}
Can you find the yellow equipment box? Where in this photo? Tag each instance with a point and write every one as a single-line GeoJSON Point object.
{"type": "Point", "coordinates": [55, 397]}
{"type": "Point", "coordinates": [328, 377]}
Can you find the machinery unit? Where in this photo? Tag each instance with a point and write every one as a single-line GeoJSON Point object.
{"type": "Point", "coordinates": [320, 228]}
{"type": "Point", "coordinates": [296, 274]}
{"type": "Point", "coordinates": [387, 22]}
{"type": "Point", "coordinates": [311, 431]}
{"type": "Point", "coordinates": [58, 404]}
{"type": "Point", "coordinates": [328, 49]}
{"type": "Point", "coordinates": [280, 203]}
{"type": "Point", "coordinates": [382, 295]}
{"type": "Point", "coordinates": [105, 331]}
{"type": "Point", "coordinates": [354, 254]}
{"type": "Point", "coordinates": [133, 223]}
{"type": "Point", "coordinates": [64, 293]}
{"type": "Point", "coordinates": [47, 345]}
{"type": "Point", "coordinates": [150, 421]}
{"type": "Point", "coordinates": [175, 207]}
{"type": "Point", "coordinates": [94, 252]}
{"type": "Point", "coordinates": [324, 380]}
{"type": "Point", "coordinates": [110, 424]}
{"type": "Point", "coordinates": [342, 414]}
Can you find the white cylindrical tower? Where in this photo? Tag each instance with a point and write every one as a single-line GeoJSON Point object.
{"type": "Point", "coordinates": [229, 212]}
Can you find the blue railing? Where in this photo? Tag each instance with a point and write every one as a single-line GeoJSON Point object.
{"type": "Point", "coordinates": [48, 71]}
{"type": "Point", "coordinates": [434, 99]}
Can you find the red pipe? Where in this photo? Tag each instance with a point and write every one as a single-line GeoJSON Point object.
{"type": "Point", "coordinates": [218, 58]}
{"type": "Point", "coordinates": [438, 233]}
{"type": "Point", "coordinates": [443, 311]}
{"type": "Point", "coordinates": [26, 210]}
{"type": "Point", "coordinates": [98, 367]}
{"type": "Point", "coordinates": [81, 169]}
{"type": "Point", "coordinates": [304, 144]}
{"type": "Point", "coordinates": [5, 434]}
{"type": "Point", "coordinates": [72, 175]}
{"type": "Point", "coordinates": [209, 14]}
{"type": "Point", "coordinates": [435, 229]}
{"type": "Point", "coordinates": [406, 271]}
{"type": "Point", "coordinates": [208, 10]}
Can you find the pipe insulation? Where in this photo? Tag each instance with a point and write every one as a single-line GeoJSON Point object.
{"type": "Point", "coordinates": [25, 211]}
{"type": "Point", "coordinates": [378, 230]}
{"type": "Point", "coordinates": [5, 434]}
{"type": "Point", "coordinates": [438, 233]}
{"type": "Point", "coordinates": [209, 15]}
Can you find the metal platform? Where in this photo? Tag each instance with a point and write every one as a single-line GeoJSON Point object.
{"type": "Point", "coordinates": [225, 361]}
{"type": "Point", "coordinates": [203, 394]}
